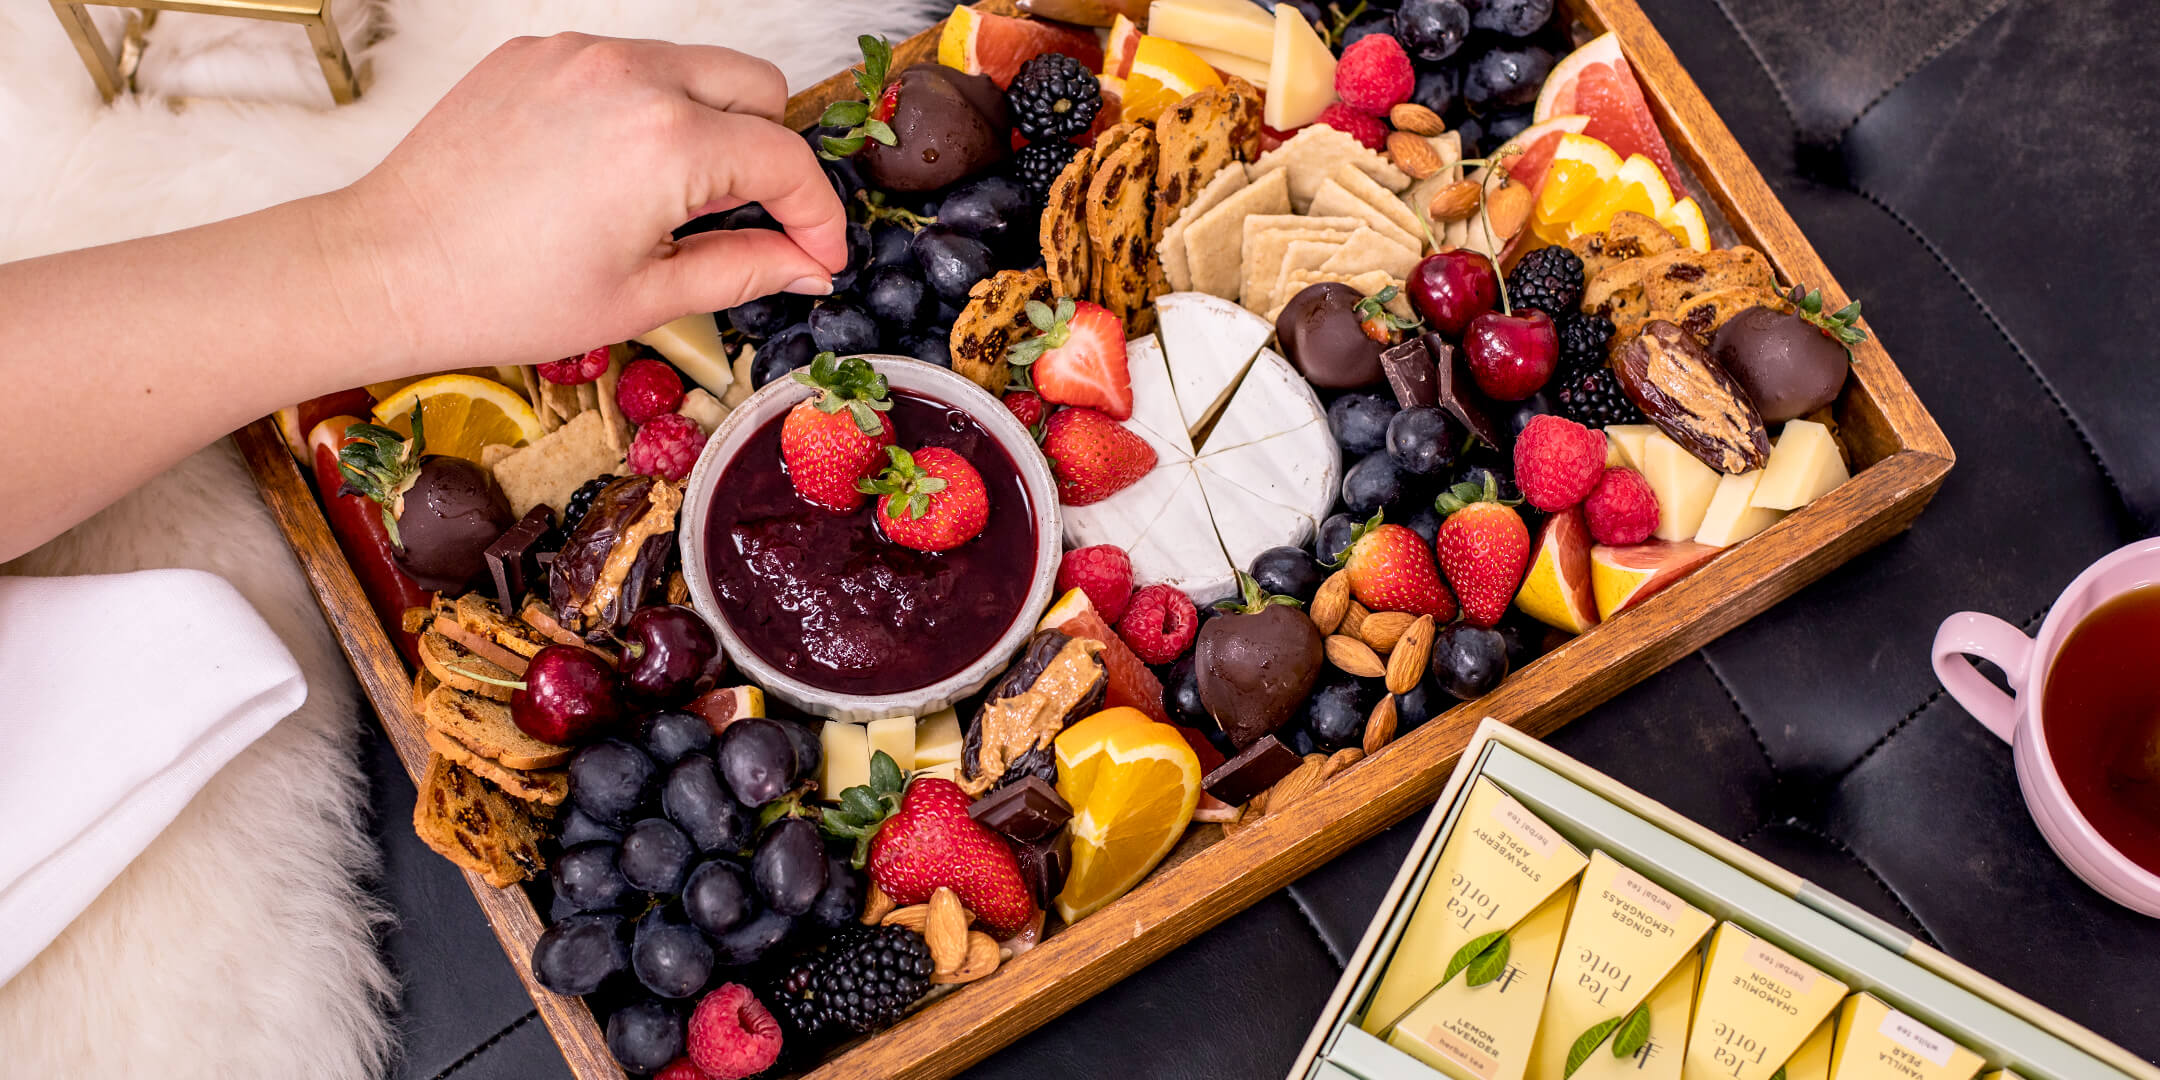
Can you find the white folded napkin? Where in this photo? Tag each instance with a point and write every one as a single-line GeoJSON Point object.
{"type": "Point", "coordinates": [120, 696]}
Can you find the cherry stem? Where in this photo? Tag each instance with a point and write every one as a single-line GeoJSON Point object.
{"type": "Point", "coordinates": [1492, 237]}
{"type": "Point", "coordinates": [477, 677]}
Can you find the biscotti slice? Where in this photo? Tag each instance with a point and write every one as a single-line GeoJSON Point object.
{"type": "Point", "coordinates": [423, 684]}
{"type": "Point", "coordinates": [457, 667]}
{"type": "Point", "coordinates": [545, 787]}
{"type": "Point", "coordinates": [476, 826]}
{"type": "Point", "coordinates": [486, 727]}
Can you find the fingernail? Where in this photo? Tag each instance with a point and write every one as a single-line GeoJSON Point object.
{"type": "Point", "coordinates": [810, 286]}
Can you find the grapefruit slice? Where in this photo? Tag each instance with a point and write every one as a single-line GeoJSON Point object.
{"type": "Point", "coordinates": [1530, 153]}
{"type": "Point", "coordinates": [1132, 685]}
{"type": "Point", "coordinates": [1623, 577]}
{"type": "Point", "coordinates": [1557, 589]}
{"type": "Point", "coordinates": [1596, 81]}
{"type": "Point", "coordinates": [1118, 55]}
{"type": "Point", "coordinates": [296, 421]}
{"type": "Point", "coordinates": [980, 43]}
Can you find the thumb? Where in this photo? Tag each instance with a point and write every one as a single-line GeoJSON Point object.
{"type": "Point", "coordinates": [714, 271]}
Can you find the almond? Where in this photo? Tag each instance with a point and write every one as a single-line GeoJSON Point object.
{"type": "Point", "coordinates": [914, 916]}
{"type": "Point", "coordinates": [1332, 602]}
{"type": "Point", "coordinates": [1455, 202]}
{"type": "Point", "coordinates": [1416, 119]}
{"type": "Point", "coordinates": [1382, 629]}
{"type": "Point", "coordinates": [1340, 760]}
{"type": "Point", "coordinates": [980, 956]}
{"type": "Point", "coordinates": [1353, 619]}
{"type": "Point", "coordinates": [1302, 781]}
{"type": "Point", "coordinates": [946, 931]}
{"type": "Point", "coordinates": [1509, 207]}
{"type": "Point", "coordinates": [1406, 665]}
{"type": "Point", "coordinates": [1413, 155]}
{"type": "Point", "coordinates": [1354, 657]}
{"type": "Point", "coordinates": [876, 906]}
{"type": "Point", "coordinates": [1380, 726]}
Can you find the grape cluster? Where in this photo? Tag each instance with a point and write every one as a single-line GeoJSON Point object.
{"type": "Point", "coordinates": [667, 886]}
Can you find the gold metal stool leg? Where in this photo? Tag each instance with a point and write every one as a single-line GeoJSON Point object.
{"type": "Point", "coordinates": [313, 16]}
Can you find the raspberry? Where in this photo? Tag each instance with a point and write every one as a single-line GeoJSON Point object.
{"type": "Point", "coordinates": [1370, 130]}
{"type": "Point", "coordinates": [1027, 405]}
{"type": "Point", "coordinates": [1104, 572]}
{"type": "Point", "coordinates": [648, 388]}
{"type": "Point", "coordinates": [681, 1068]}
{"type": "Point", "coordinates": [576, 370]}
{"type": "Point", "coordinates": [666, 446]}
{"type": "Point", "coordinates": [1621, 509]}
{"type": "Point", "coordinates": [1374, 75]}
{"type": "Point", "coordinates": [732, 1035]}
{"type": "Point", "coordinates": [1557, 462]}
{"type": "Point", "coordinates": [1159, 623]}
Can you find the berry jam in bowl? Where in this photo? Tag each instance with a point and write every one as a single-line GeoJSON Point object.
{"type": "Point", "coordinates": [826, 612]}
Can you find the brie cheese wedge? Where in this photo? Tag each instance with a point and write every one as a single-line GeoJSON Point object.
{"type": "Point", "coordinates": [1209, 341]}
{"type": "Point", "coordinates": [692, 343]}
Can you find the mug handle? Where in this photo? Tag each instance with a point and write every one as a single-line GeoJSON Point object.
{"type": "Point", "coordinates": [1990, 638]}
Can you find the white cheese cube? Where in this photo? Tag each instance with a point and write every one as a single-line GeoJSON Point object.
{"type": "Point", "coordinates": [1730, 519]}
{"type": "Point", "coordinates": [937, 739]}
{"type": "Point", "coordinates": [1626, 441]}
{"type": "Point", "coordinates": [1683, 485]}
{"type": "Point", "coordinates": [1803, 466]}
{"type": "Point", "coordinates": [846, 760]}
{"type": "Point", "coordinates": [896, 736]}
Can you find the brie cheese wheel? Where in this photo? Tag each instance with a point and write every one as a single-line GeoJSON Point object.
{"type": "Point", "coordinates": [1263, 474]}
{"type": "Point", "coordinates": [692, 343]}
{"type": "Point", "coordinates": [1208, 342]}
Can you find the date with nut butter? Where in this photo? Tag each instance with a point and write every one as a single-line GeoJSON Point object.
{"type": "Point", "coordinates": [1677, 384]}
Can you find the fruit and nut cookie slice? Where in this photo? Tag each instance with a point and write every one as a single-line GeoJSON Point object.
{"type": "Point", "coordinates": [1063, 230]}
{"type": "Point", "coordinates": [995, 317]}
{"type": "Point", "coordinates": [487, 728]}
{"type": "Point", "coordinates": [544, 787]}
{"type": "Point", "coordinates": [475, 826]}
{"type": "Point", "coordinates": [1122, 259]}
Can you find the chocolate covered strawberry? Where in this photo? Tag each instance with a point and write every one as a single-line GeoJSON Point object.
{"type": "Point", "coordinates": [930, 500]}
{"type": "Point", "coordinates": [836, 437]}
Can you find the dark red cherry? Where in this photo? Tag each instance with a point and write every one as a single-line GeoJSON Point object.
{"type": "Point", "coordinates": [669, 653]}
{"type": "Point", "coordinates": [1450, 288]}
{"type": "Point", "coordinates": [1511, 356]}
{"type": "Point", "coordinates": [568, 696]}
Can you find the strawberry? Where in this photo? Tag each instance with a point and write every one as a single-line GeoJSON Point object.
{"type": "Point", "coordinates": [1093, 456]}
{"type": "Point", "coordinates": [930, 500]}
{"type": "Point", "coordinates": [1484, 548]}
{"type": "Point", "coordinates": [1391, 569]}
{"type": "Point", "coordinates": [1077, 357]}
{"type": "Point", "coordinates": [1026, 406]}
{"type": "Point", "coordinates": [837, 436]}
{"type": "Point", "coordinates": [916, 841]}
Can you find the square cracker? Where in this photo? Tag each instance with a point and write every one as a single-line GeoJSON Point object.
{"type": "Point", "coordinates": [1369, 249]}
{"type": "Point", "coordinates": [1266, 237]}
{"type": "Point", "coordinates": [1301, 255]}
{"type": "Point", "coordinates": [1311, 155]}
{"type": "Point", "coordinates": [1334, 200]}
{"type": "Point", "coordinates": [550, 470]}
{"type": "Point", "coordinates": [1215, 242]}
{"type": "Point", "coordinates": [1176, 269]}
{"type": "Point", "coordinates": [1365, 187]}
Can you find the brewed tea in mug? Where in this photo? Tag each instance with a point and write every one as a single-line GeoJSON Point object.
{"type": "Point", "coordinates": [2101, 711]}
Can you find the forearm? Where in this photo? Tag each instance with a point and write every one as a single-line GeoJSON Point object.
{"type": "Point", "coordinates": [127, 357]}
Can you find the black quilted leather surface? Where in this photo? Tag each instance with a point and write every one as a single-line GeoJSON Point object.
{"type": "Point", "coordinates": [1975, 170]}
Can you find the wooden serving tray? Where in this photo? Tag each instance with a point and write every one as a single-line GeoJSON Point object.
{"type": "Point", "coordinates": [1900, 458]}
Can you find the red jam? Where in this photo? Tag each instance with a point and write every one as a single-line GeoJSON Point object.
{"type": "Point", "coordinates": [828, 600]}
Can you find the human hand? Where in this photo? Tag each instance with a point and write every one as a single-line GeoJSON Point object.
{"type": "Point", "coordinates": [527, 216]}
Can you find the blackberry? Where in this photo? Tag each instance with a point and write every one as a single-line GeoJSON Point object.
{"type": "Point", "coordinates": [1582, 340]}
{"type": "Point", "coordinates": [1549, 279]}
{"type": "Point", "coordinates": [864, 981]}
{"type": "Point", "coordinates": [1053, 97]}
{"type": "Point", "coordinates": [1594, 399]}
{"type": "Point", "coordinates": [581, 500]}
{"type": "Point", "coordinates": [1037, 165]}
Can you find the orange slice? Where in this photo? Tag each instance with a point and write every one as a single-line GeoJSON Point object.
{"type": "Point", "coordinates": [461, 414]}
{"type": "Point", "coordinates": [1163, 74]}
{"type": "Point", "coordinates": [1132, 784]}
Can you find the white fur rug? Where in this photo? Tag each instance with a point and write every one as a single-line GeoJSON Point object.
{"type": "Point", "coordinates": [242, 943]}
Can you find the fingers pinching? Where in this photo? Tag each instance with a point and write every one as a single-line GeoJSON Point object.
{"type": "Point", "coordinates": [746, 159]}
{"type": "Point", "coordinates": [715, 271]}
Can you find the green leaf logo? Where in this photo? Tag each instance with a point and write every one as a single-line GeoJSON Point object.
{"type": "Point", "coordinates": [1634, 1032]}
{"type": "Point", "coordinates": [1587, 1044]}
{"type": "Point", "coordinates": [1469, 952]}
{"type": "Point", "coordinates": [1489, 964]}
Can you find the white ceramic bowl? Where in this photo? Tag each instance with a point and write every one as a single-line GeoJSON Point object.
{"type": "Point", "coordinates": [912, 376]}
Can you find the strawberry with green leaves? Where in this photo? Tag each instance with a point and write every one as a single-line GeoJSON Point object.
{"type": "Point", "coordinates": [1484, 548]}
{"type": "Point", "coordinates": [1093, 456]}
{"type": "Point", "coordinates": [917, 837]}
{"type": "Point", "coordinates": [930, 500]}
{"type": "Point", "coordinates": [836, 437]}
{"type": "Point", "coordinates": [1077, 357]}
{"type": "Point", "coordinates": [864, 117]}
{"type": "Point", "coordinates": [1391, 569]}
{"type": "Point", "coordinates": [1380, 324]}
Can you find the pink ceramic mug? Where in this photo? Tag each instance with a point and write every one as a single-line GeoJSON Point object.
{"type": "Point", "coordinates": [2016, 716]}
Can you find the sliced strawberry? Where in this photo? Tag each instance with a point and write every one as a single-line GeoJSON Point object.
{"type": "Point", "coordinates": [1078, 358]}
